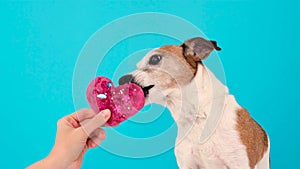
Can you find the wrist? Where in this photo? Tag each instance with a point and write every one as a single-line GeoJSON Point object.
{"type": "Point", "coordinates": [46, 163]}
{"type": "Point", "coordinates": [57, 160]}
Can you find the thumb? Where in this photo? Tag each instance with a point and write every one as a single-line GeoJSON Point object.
{"type": "Point", "coordinates": [98, 120]}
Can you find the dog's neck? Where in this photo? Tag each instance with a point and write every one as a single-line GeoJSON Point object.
{"type": "Point", "coordinates": [192, 104]}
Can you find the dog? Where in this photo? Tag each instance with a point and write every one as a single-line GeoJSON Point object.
{"type": "Point", "coordinates": [214, 131]}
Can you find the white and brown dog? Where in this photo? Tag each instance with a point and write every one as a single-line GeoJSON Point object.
{"type": "Point", "coordinates": [214, 131]}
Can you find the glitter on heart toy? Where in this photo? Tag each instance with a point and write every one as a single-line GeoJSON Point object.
{"type": "Point", "coordinates": [123, 101]}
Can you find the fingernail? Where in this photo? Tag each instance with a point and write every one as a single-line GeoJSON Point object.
{"type": "Point", "coordinates": [106, 113]}
{"type": "Point", "coordinates": [94, 145]}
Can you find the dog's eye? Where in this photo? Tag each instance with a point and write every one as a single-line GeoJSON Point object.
{"type": "Point", "coordinates": [154, 60]}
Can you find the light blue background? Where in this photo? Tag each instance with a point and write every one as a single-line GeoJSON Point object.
{"type": "Point", "coordinates": [40, 42]}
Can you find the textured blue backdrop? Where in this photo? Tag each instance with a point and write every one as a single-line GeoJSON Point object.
{"type": "Point", "coordinates": [40, 42]}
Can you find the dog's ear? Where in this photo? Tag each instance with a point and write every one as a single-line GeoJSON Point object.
{"type": "Point", "coordinates": [198, 48]}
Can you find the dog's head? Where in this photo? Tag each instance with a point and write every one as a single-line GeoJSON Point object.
{"type": "Point", "coordinates": [169, 67]}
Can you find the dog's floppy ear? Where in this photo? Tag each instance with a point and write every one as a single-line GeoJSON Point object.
{"type": "Point", "coordinates": [198, 49]}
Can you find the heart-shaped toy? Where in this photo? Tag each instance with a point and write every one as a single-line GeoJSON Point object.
{"type": "Point", "coordinates": [123, 101]}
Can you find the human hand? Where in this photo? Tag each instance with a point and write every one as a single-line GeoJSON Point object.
{"type": "Point", "coordinates": [76, 133]}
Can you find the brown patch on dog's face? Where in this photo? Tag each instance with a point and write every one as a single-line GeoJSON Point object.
{"type": "Point", "coordinates": [169, 72]}
{"type": "Point", "coordinates": [253, 137]}
{"type": "Point", "coordinates": [178, 51]}
{"type": "Point", "coordinates": [170, 67]}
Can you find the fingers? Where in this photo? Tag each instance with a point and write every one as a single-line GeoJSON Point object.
{"type": "Point", "coordinates": [98, 120]}
{"type": "Point", "coordinates": [71, 121]}
{"type": "Point", "coordinates": [96, 137]}
{"type": "Point", "coordinates": [75, 119]}
{"type": "Point", "coordinates": [84, 114]}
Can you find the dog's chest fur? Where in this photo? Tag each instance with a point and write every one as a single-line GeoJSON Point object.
{"type": "Point", "coordinates": [190, 109]}
{"type": "Point", "coordinates": [223, 147]}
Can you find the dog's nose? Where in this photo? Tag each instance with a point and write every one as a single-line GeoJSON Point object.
{"type": "Point", "coordinates": [125, 79]}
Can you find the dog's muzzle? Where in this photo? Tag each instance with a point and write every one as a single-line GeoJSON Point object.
{"type": "Point", "coordinates": [125, 79]}
{"type": "Point", "coordinates": [130, 79]}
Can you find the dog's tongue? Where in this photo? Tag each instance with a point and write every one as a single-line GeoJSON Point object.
{"type": "Point", "coordinates": [123, 101]}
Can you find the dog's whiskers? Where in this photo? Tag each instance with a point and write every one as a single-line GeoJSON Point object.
{"type": "Point", "coordinates": [138, 79]}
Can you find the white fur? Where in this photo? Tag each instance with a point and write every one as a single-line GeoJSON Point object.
{"type": "Point", "coordinates": [224, 149]}
{"type": "Point", "coordinates": [191, 106]}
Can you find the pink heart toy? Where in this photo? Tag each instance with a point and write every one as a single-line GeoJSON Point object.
{"type": "Point", "coordinates": [123, 101]}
